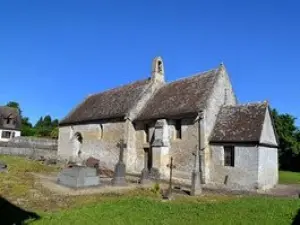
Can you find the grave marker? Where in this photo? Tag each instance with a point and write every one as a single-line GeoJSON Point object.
{"type": "Point", "coordinates": [120, 168]}
{"type": "Point", "coordinates": [169, 192]}
{"type": "Point", "coordinates": [196, 188]}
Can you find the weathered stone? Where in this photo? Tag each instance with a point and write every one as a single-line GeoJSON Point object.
{"type": "Point", "coordinates": [145, 178]}
{"type": "Point", "coordinates": [154, 173]}
{"type": "Point", "coordinates": [3, 167]}
{"type": "Point", "coordinates": [119, 175]}
{"type": "Point", "coordinates": [161, 137]}
{"type": "Point", "coordinates": [92, 162]}
{"type": "Point", "coordinates": [120, 168]}
{"type": "Point", "coordinates": [51, 161]}
{"type": "Point", "coordinates": [78, 177]}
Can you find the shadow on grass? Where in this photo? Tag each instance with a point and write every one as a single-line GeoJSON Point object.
{"type": "Point", "coordinates": [11, 214]}
{"type": "Point", "coordinates": [296, 220]}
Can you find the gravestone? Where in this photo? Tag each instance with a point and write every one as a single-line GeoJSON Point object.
{"type": "Point", "coordinates": [169, 195]}
{"type": "Point", "coordinates": [145, 175]}
{"type": "Point", "coordinates": [78, 176]}
{"type": "Point", "coordinates": [93, 163]}
{"type": "Point", "coordinates": [196, 188]}
{"type": "Point", "coordinates": [120, 168]}
{"type": "Point", "coordinates": [3, 167]}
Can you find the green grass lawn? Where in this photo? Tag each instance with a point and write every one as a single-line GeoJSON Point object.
{"type": "Point", "coordinates": [128, 211]}
{"type": "Point", "coordinates": [139, 206]}
{"type": "Point", "coordinates": [287, 177]}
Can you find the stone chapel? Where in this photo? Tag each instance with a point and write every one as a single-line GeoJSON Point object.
{"type": "Point", "coordinates": [158, 119]}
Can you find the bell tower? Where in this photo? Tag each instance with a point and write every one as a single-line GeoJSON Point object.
{"type": "Point", "coordinates": [158, 73]}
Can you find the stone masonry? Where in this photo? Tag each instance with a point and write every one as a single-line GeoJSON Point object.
{"type": "Point", "coordinates": [149, 122]}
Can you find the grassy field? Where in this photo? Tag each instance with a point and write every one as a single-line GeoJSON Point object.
{"type": "Point", "coordinates": [128, 211]}
{"type": "Point", "coordinates": [138, 207]}
{"type": "Point", "coordinates": [287, 177]}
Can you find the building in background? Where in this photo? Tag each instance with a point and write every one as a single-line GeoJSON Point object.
{"type": "Point", "coordinates": [10, 123]}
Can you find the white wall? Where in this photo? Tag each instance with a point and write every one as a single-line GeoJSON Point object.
{"type": "Point", "coordinates": [244, 174]}
{"type": "Point", "coordinates": [267, 167]}
{"type": "Point", "coordinates": [17, 134]}
{"type": "Point", "coordinates": [268, 133]}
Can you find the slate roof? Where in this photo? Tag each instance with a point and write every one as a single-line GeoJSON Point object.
{"type": "Point", "coordinates": [241, 123]}
{"type": "Point", "coordinates": [6, 112]}
{"type": "Point", "coordinates": [113, 103]}
{"type": "Point", "coordinates": [182, 97]}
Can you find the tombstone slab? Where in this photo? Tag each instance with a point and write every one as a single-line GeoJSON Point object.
{"type": "Point", "coordinates": [78, 177]}
{"type": "Point", "coordinates": [119, 175]}
{"type": "Point", "coordinates": [145, 177]}
{"type": "Point", "coordinates": [3, 167]}
{"type": "Point", "coordinates": [93, 163]}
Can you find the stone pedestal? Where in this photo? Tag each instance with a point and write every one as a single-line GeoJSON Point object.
{"type": "Point", "coordinates": [160, 161]}
{"type": "Point", "coordinates": [196, 188]}
{"type": "Point", "coordinates": [78, 177]}
{"type": "Point", "coordinates": [119, 174]}
{"type": "Point", "coordinates": [145, 177]}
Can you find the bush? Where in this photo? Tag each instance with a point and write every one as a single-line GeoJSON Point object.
{"type": "Point", "coordinates": [156, 189]}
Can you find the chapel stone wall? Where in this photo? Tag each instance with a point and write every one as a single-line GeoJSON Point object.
{"type": "Point", "coordinates": [222, 94]}
{"type": "Point", "coordinates": [99, 141]}
{"type": "Point", "coordinates": [243, 175]}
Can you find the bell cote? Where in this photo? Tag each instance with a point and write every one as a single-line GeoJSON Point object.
{"type": "Point", "coordinates": [158, 73]}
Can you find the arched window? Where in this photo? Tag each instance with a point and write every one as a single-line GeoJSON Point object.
{"type": "Point", "coordinates": [78, 137]}
{"type": "Point", "coordinates": [77, 144]}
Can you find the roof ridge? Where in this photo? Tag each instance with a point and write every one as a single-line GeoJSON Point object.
{"type": "Point", "coordinates": [264, 102]}
{"type": "Point", "coordinates": [119, 87]}
{"type": "Point", "coordinates": [192, 76]}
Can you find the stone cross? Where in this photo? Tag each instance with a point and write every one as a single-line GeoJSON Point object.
{"type": "Point", "coordinates": [120, 168]}
{"type": "Point", "coordinates": [121, 145]}
{"type": "Point", "coordinates": [196, 188]}
{"type": "Point", "coordinates": [171, 166]}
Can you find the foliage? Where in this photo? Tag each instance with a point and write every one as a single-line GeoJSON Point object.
{"type": "Point", "coordinates": [44, 127]}
{"type": "Point", "coordinates": [54, 133]}
{"type": "Point", "coordinates": [289, 141]}
{"type": "Point", "coordinates": [287, 177]}
{"type": "Point", "coordinates": [156, 189]}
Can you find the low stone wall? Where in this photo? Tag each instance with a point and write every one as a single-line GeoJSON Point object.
{"type": "Point", "coordinates": [31, 142]}
{"type": "Point", "coordinates": [30, 147]}
{"type": "Point", "coordinates": [28, 152]}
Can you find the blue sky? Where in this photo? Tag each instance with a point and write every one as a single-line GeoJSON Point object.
{"type": "Point", "coordinates": [54, 53]}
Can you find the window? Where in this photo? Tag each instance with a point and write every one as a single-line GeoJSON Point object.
{"type": "Point", "coordinates": [228, 155]}
{"type": "Point", "coordinates": [13, 134]}
{"type": "Point", "coordinates": [5, 134]}
{"type": "Point", "coordinates": [178, 134]}
{"type": "Point", "coordinates": [146, 129]}
{"type": "Point", "coordinates": [8, 120]}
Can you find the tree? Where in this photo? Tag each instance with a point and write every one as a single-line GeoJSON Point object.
{"type": "Point", "coordinates": [15, 105]}
{"type": "Point", "coordinates": [54, 133]}
{"type": "Point", "coordinates": [44, 127]}
{"type": "Point", "coordinates": [289, 137]}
